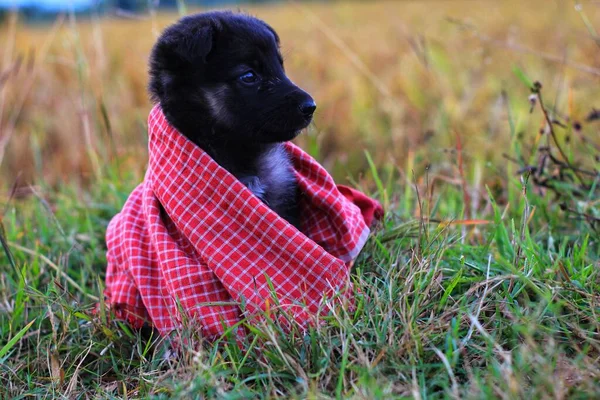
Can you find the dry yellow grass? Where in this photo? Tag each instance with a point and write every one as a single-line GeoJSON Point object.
{"type": "Point", "coordinates": [398, 78]}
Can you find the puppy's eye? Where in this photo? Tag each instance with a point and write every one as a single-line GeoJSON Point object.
{"type": "Point", "coordinates": [249, 78]}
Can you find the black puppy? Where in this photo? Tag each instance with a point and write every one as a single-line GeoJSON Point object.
{"type": "Point", "coordinates": [220, 81]}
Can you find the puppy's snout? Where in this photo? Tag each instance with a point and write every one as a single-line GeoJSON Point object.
{"type": "Point", "coordinates": [308, 107]}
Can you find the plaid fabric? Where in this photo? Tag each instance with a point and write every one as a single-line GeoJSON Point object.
{"type": "Point", "coordinates": [192, 242]}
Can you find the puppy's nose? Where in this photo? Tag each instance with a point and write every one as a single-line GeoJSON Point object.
{"type": "Point", "coordinates": [308, 108]}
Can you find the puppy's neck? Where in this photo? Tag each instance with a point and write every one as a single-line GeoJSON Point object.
{"type": "Point", "coordinates": [240, 159]}
{"type": "Point", "coordinates": [266, 170]}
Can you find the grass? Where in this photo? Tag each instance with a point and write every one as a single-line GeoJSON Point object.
{"type": "Point", "coordinates": [483, 281]}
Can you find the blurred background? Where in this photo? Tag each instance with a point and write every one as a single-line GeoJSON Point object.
{"type": "Point", "coordinates": [420, 85]}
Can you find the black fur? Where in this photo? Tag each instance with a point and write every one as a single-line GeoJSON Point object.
{"type": "Point", "coordinates": [196, 70]}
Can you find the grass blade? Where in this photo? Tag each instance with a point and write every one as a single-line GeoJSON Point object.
{"type": "Point", "coordinates": [11, 343]}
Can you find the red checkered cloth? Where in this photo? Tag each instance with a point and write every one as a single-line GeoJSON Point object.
{"type": "Point", "coordinates": [192, 242]}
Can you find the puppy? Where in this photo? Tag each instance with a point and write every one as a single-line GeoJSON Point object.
{"type": "Point", "coordinates": [220, 80]}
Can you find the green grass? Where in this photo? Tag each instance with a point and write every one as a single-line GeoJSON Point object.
{"type": "Point", "coordinates": [507, 309]}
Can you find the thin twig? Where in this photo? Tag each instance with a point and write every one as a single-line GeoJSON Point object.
{"type": "Point", "coordinates": [537, 89]}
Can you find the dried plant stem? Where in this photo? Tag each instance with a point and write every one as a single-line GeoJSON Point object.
{"type": "Point", "coordinates": [537, 89]}
{"type": "Point", "coordinates": [7, 131]}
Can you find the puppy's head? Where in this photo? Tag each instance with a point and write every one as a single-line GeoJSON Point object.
{"type": "Point", "coordinates": [219, 78]}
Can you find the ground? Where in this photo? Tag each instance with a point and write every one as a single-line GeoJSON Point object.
{"type": "Point", "coordinates": [472, 122]}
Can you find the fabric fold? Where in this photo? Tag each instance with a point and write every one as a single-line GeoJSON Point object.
{"type": "Point", "coordinates": [192, 242]}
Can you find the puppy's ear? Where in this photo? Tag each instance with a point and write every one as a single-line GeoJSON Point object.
{"type": "Point", "coordinates": [193, 44]}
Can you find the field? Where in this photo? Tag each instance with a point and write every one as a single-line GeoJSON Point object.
{"type": "Point", "coordinates": [472, 122]}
